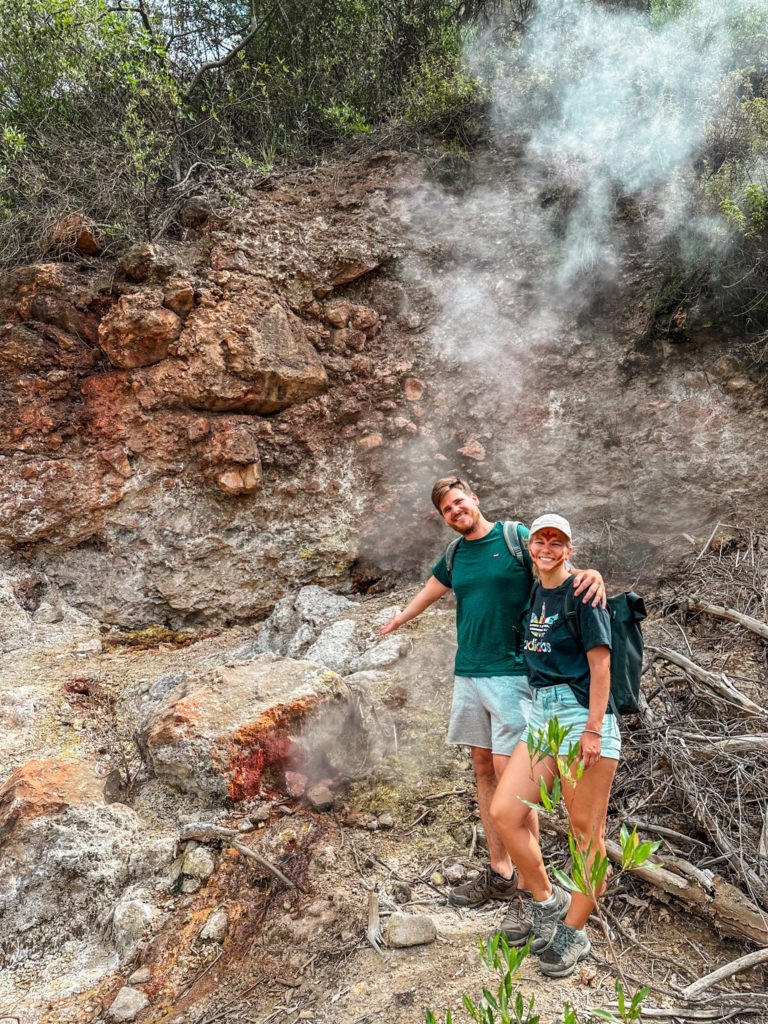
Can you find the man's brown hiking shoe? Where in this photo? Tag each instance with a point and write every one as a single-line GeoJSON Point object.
{"type": "Point", "coordinates": [518, 920]}
{"type": "Point", "coordinates": [486, 885]}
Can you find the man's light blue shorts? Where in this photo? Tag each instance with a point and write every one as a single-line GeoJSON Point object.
{"type": "Point", "coordinates": [559, 702]}
{"type": "Point", "coordinates": [489, 712]}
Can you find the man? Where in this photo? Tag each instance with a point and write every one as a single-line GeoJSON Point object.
{"type": "Point", "coordinates": [491, 697]}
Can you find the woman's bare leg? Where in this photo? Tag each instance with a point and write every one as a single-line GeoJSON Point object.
{"type": "Point", "coordinates": [586, 801]}
{"type": "Point", "coordinates": [510, 816]}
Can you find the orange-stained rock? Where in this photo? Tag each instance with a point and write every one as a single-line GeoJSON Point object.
{"type": "Point", "coordinates": [75, 233]}
{"type": "Point", "coordinates": [45, 787]}
{"type": "Point", "coordinates": [240, 479]}
{"type": "Point", "coordinates": [144, 262]}
{"type": "Point", "coordinates": [139, 330]}
{"type": "Point", "coordinates": [218, 736]}
{"type": "Point", "coordinates": [179, 296]}
{"type": "Point", "coordinates": [248, 355]}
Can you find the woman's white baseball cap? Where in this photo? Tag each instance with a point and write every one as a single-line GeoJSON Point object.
{"type": "Point", "coordinates": [552, 519]}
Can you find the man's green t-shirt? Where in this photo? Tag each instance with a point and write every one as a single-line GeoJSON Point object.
{"type": "Point", "coordinates": [492, 590]}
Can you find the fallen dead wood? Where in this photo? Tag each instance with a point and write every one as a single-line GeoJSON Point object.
{"type": "Point", "coordinates": [720, 684]}
{"type": "Point", "coordinates": [735, 744]}
{"type": "Point", "coordinates": [753, 625]}
{"type": "Point", "coordinates": [718, 1012]}
{"type": "Point", "coordinates": [717, 901]}
{"type": "Point", "coordinates": [726, 971]}
{"type": "Point", "coordinates": [206, 833]}
{"type": "Point", "coordinates": [688, 786]}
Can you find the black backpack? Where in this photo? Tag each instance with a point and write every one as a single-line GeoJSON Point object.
{"type": "Point", "coordinates": [627, 611]}
{"type": "Point", "coordinates": [517, 545]}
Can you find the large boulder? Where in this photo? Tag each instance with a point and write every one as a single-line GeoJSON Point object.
{"type": "Point", "coordinates": [245, 355]}
{"type": "Point", "coordinates": [244, 726]}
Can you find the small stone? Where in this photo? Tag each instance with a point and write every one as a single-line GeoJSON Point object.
{"type": "Point", "coordinates": [370, 441]}
{"type": "Point", "coordinates": [140, 977]}
{"type": "Point", "coordinates": [48, 613]}
{"type": "Point", "coordinates": [198, 863]}
{"type": "Point", "coordinates": [295, 784]}
{"type": "Point", "coordinates": [320, 797]}
{"type": "Point", "coordinates": [436, 878]}
{"type": "Point", "coordinates": [454, 873]}
{"type": "Point", "coordinates": [405, 930]}
{"type": "Point", "coordinates": [190, 885]}
{"type": "Point", "coordinates": [260, 814]}
{"type": "Point", "coordinates": [215, 928]}
{"type": "Point", "coordinates": [129, 1002]}
{"type": "Point", "coordinates": [89, 647]}
{"type": "Point", "coordinates": [246, 825]}
{"type": "Point", "coordinates": [414, 388]}
{"type": "Point", "coordinates": [386, 820]}
{"type": "Point", "coordinates": [473, 450]}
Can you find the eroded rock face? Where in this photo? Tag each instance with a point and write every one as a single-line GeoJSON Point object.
{"type": "Point", "coordinates": [65, 857]}
{"type": "Point", "coordinates": [245, 726]}
{"type": "Point", "coordinates": [158, 417]}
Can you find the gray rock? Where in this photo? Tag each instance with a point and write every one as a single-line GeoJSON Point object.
{"type": "Point", "coordinates": [47, 614]}
{"type": "Point", "coordinates": [130, 920]}
{"type": "Point", "coordinates": [198, 863]}
{"type": "Point", "coordinates": [215, 928]}
{"type": "Point", "coordinates": [15, 623]}
{"type": "Point", "coordinates": [381, 655]}
{"type": "Point", "coordinates": [140, 977]}
{"type": "Point", "coordinates": [128, 1004]}
{"type": "Point", "coordinates": [337, 646]}
{"type": "Point", "coordinates": [320, 797]}
{"type": "Point", "coordinates": [298, 619]}
{"type": "Point", "coordinates": [404, 930]}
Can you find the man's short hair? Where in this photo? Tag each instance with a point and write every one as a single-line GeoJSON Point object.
{"type": "Point", "coordinates": [445, 484]}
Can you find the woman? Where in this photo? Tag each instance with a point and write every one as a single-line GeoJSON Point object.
{"type": "Point", "coordinates": [569, 671]}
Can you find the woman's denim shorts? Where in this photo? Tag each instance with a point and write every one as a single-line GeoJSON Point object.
{"type": "Point", "coordinates": [558, 702]}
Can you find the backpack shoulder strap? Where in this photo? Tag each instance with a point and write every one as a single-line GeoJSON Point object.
{"type": "Point", "coordinates": [569, 611]}
{"type": "Point", "coordinates": [450, 553]}
{"type": "Point", "coordinates": [518, 546]}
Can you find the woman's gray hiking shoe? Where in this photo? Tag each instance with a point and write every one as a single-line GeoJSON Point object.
{"type": "Point", "coordinates": [546, 919]}
{"type": "Point", "coordinates": [518, 920]}
{"type": "Point", "coordinates": [569, 946]}
{"type": "Point", "coordinates": [486, 885]}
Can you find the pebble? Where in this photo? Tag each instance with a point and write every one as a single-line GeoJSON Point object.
{"type": "Point", "coordinates": [140, 977]}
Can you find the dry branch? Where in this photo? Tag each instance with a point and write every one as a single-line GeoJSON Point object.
{"type": "Point", "coordinates": [206, 833]}
{"type": "Point", "coordinates": [717, 901]}
{"type": "Point", "coordinates": [726, 971]}
{"type": "Point", "coordinates": [688, 786]}
{"type": "Point", "coordinates": [719, 683]}
{"type": "Point", "coordinates": [754, 625]}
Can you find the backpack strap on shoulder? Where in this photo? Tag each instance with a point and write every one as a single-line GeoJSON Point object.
{"type": "Point", "coordinates": [450, 554]}
{"type": "Point", "coordinates": [569, 611]}
{"type": "Point", "coordinates": [517, 545]}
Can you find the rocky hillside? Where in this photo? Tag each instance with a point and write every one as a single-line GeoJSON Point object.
{"type": "Point", "coordinates": [263, 403]}
{"type": "Point", "coordinates": [222, 791]}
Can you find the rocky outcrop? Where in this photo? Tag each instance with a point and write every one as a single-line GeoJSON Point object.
{"type": "Point", "coordinates": [246, 726]}
{"type": "Point", "coordinates": [174, 403]}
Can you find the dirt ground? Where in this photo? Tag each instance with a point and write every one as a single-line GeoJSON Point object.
{"type": "Point", "coordinates": [391, 843]}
